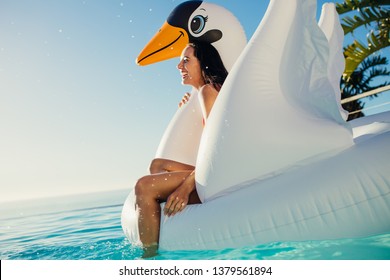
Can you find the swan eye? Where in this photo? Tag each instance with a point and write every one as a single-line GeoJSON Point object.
{"type": "Point", "coordinates": [198, 23]}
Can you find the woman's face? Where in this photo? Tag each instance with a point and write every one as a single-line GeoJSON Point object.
{"type": "Point", "coordinates": [189, 68]}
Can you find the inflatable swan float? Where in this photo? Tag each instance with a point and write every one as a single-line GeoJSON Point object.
{"type": "Point", "coordinates": [276, 161]}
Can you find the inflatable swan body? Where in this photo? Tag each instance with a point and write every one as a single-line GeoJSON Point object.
{"type": "Point", "coordinates": [277, 161]}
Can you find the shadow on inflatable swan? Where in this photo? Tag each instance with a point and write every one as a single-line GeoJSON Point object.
{"type": "Point", "coordinates": [276, 161]}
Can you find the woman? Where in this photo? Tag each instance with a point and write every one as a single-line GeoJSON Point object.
{"type": "Point", "coordinates": [173, 182]}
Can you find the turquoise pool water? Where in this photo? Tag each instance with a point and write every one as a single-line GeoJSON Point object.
{"type": "Point", "coordinates": [88, 227]}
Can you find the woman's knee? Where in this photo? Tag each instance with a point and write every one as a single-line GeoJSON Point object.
{"type": "Point", "coordinates": [142, 186]}
{"type": "Point", "coordinates": [156, 166]}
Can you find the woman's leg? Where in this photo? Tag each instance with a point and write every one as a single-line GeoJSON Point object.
{"type": "Point", "coordinates": [159, 165]}
{"type": "Point", "coordinates": [150, 191]}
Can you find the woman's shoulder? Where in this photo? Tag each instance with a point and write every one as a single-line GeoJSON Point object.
{"type": "Point", "coordinates": [208, 88]}
{"type": "Point", "coordinates": [208, 93]}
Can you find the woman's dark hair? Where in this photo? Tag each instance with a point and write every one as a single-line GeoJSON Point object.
{"type": "Point", "coordinates": [214, 72]}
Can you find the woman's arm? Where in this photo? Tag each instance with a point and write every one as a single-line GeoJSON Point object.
{"type": "Point", "coordinates": [207, 96]}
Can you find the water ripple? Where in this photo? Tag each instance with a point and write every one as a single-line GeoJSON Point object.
{"type": "Point", "coordinates": [95, 233]}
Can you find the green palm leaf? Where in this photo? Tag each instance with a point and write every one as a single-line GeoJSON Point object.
{"type": "Point", "coordinates": [363, 61]}
{"type": "Point", "coordinates": [366, 17]}
{"type": "Point", "coordinates": [353, 5]}
{"type": "Point", "coordinates": [367, 13]}
{"type": "Point", "coordinates": [358, 52]}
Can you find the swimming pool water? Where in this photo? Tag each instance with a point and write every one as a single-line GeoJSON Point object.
{"type": "Point", "coordinates": [88, 227]}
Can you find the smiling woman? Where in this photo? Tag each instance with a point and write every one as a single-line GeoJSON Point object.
{"type": "Point", "coordinates": [171, 181]}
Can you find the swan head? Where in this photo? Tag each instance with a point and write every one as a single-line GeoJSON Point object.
{"type": "Point", "coordinates": [194, 21]}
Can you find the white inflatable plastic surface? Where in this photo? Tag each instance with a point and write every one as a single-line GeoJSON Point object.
{"type": "Point", "coordinates": [277, 106]}
{"type": "Point", "coordinates": [181, 138]}
{"type": "Point", "coordinates": [344, 196]}
{"type": "Point", "coordinates": [277, 155]}
{"type": "Point", "coordinates": [330, 25]}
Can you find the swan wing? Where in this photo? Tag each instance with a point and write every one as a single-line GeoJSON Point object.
{"type": "Point", "coordinates": [330, 24]}
{"type": "Point", "coordinates": [277, 108]}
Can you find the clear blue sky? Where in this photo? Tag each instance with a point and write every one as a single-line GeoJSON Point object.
{"type": "Point", "coordinates": [76, 113]}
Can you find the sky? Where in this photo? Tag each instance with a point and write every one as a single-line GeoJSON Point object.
{"type": "Point", "coordinates": [77, 115]}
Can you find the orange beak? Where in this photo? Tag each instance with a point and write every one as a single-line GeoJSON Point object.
{"type": "Point", "coordinates": [168, 43]}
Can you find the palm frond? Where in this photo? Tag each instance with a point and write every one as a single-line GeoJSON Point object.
{"type": "Point", "coordinates": [363, 63]}
{"type": "Point", "coordinates": [361, 79]}
{"type": "Point", "coordinates": [358, 52]}
{"type": "Point", "coordinates": [365, 17]}
{"type": "Point", "coordinates": [375, 73]}
{"type": "Point", "coordinates": [353, 5]}
{"type": "Point", "coordinates": [373, 62]}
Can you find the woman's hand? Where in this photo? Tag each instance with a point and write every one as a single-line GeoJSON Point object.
{"type": "Point", "coordinates": [178, 200]}
{"type": "Point", "coordinates": [185, 99]}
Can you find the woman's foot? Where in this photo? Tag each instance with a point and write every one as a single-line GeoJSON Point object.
{"type": "Point", "coordinates": [150, 251]}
